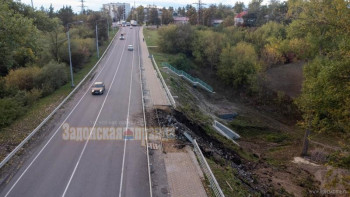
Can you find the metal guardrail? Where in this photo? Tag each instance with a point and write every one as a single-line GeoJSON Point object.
{"type": "Point", "coordinates": [144, 115]}
{"type": "Point", "coordinates": [195, 81]}
{"type": "Point", "coordinates": [18, 147]}
{"type": "Point", "coordinates": [205, 167]}
{"type": "Point", "coordinates": [170, 97]}
{"type": "Point", "coordinates": [207, 171]}
{"type": "Point", "coordinates": [225, 131]}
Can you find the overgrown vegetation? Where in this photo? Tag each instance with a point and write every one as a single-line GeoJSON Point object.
{"type": "Point", "coordinates": [34, 52]}
{"type": "Point", "coordinates": [316, 32]}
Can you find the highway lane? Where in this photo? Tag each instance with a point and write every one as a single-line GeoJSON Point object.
{"type": "Point", "coordinates": [94, 168]}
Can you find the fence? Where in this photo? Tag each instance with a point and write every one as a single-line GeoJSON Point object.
{"type": "Point", "coordinates": [171, 98]}
{"type": "Point", "coordinates": [225, 131]}
{"type": "Point", "coordinates": [205, 167]}
{"type": "Point", "coordinates": [195, 81]}
{"type": "Point", "coordinates": [207, 171]}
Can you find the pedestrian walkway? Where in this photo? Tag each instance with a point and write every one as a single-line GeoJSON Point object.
{"type": "Point", "coordinates": [184, 174]}
{"type": "Point", "coordinates": [152, 82]}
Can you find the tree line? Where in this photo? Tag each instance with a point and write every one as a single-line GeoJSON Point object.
{"type": "Point", "coordinates": [34, 52]}
{"type": "Point", "coordinates": [314, 31]}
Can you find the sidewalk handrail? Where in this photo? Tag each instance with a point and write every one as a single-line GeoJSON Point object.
{"type": "Point", "coordinates": [207, 171]}
{"type": "Point", "coordinates": [169, 95]}
{"type": "Point", "coordinates": [193, 80]}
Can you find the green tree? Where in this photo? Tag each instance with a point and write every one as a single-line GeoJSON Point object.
{"type": "Point", "coordinates": [239, 6]}
{"type": "Point", "coordinates": [277, 11]}
{"type": "Point", "coordinates": [66, 15]}
{"type": "Point", "coordinates": [140, 14]}
{"type": "Point", "coordinates": [325, 26]}
{"type": "Point", "coordinates": [51, 11]}
{"type": "Point", "coordinates": [262, 35]}
{"type": "Point", "coordinates": [229, 21]}
{"type": "Point", "coordinates": [181, 11]}
{"type": "Point", "coordinates": [176, 39]}
{"type": "Point", "coordinates": [208, 15]}
{"type": "Point", "coordinates": [238, 65]}
{"type": "Point", "coordinates": [18, 40]}
{"type": "Point", "coordinates": [325, 100]}
{"type": "Point", "coordinates": [181, 62]}
{"type": "Point", "coordinates": [153, 16]}
{"type": "Point", "coordinates": [167, 16]}
{"type": "Point", "coordinates": [97, 18]}
{"type": "Point", "coordinates": [81, 50]}
{"type": "Point", "coordinates": [206, 48]}
{"type": "Point", "coordinates": [192, 15]}
{"type": "Point", "coordinates": [256, 14]}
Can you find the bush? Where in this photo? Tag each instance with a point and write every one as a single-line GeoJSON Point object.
{"type": "Point", "coordinates": [271, 55]}
{"type": "Point", "coordinates": [206, 47]}
{"type": "Point", "coordinates": [238, 65]}
{"type": "Point", "coordinates": [81, 50]}
{"type": "Point", "coordinates": [181, 62]}
{"type": "Point", "coordinates": [262, 36]}
{"type": "Point", "coordinates": [10, 110]}
{"type": "Point", "coordinates": [325, 98]}
{"type": "Point", "coordinates": [32, 96]}
{"type": "Point", "coordinates": [2, 87]}
{"type": "Point", "coordinates": [176, 39]}
{"type": "Point", "coordinates": [51, 77]}
{"type": "Point", "coordinates": [22, 78]}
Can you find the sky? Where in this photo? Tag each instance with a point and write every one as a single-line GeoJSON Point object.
{"type": "Point", "coordinates": [96, 5]}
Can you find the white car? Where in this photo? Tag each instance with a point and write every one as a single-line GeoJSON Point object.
{"type": "Point", "coordinates": [130, 48]}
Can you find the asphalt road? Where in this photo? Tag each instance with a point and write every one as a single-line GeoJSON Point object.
{"type": "Point", "coordinates": [61, 167]}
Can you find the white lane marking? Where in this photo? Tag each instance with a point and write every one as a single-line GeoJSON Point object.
{"type": "Point", "coordinates": [127, 124]}
{"type": "Point", "coordinates": [144, 118]}
{"type": "Point", "coordinates": [31, 163]}
{"type": "Point", "coordinates": [93, 127]}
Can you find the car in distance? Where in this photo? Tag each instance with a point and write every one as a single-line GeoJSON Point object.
{"type": "Point", "coordinates": [98, 88]}
{"type": "Point", "coordinates": [121, 37]}
{"type": "Point", "coordinates": [130, 48]}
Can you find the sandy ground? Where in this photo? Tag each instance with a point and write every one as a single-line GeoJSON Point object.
{"type": "Point", "coordinates": [286, 78]}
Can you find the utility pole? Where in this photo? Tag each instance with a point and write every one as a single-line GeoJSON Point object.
{"type": "Point", "coordinates": [82, 6]}
{"type": "Point", "coordinates": [69, 52]}
{"type": "Point", "coordinates": [32, 4]}
{"type": "Point", "coordinates": [306, 139]}
{"type": "Point", "coordinates": [199, 5]}
{"type": "Point", "coordinates": [97, 48]}
{"type": "Point", "coordinates": [124, 14]}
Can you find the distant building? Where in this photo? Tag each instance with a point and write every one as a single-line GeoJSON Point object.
{"type": "Point", "coordinates": [112, 9]}
{"type": "Point", "coordinates": [216, 22]}
{"type": "Point", "coordinates": [239, 18]}
{"type": "Point", "coordinates": [181, 20]}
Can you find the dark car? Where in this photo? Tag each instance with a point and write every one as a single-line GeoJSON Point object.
{"type": "Point", "coordinates": [121, 37]}
{"type": "Point", "coordinates": [98, 88]}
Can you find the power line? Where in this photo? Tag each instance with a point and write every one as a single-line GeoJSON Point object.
{"type": "Point", "coordinates": [199, 4]}
{"type": "Point", "coordinates": [82, 6]}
